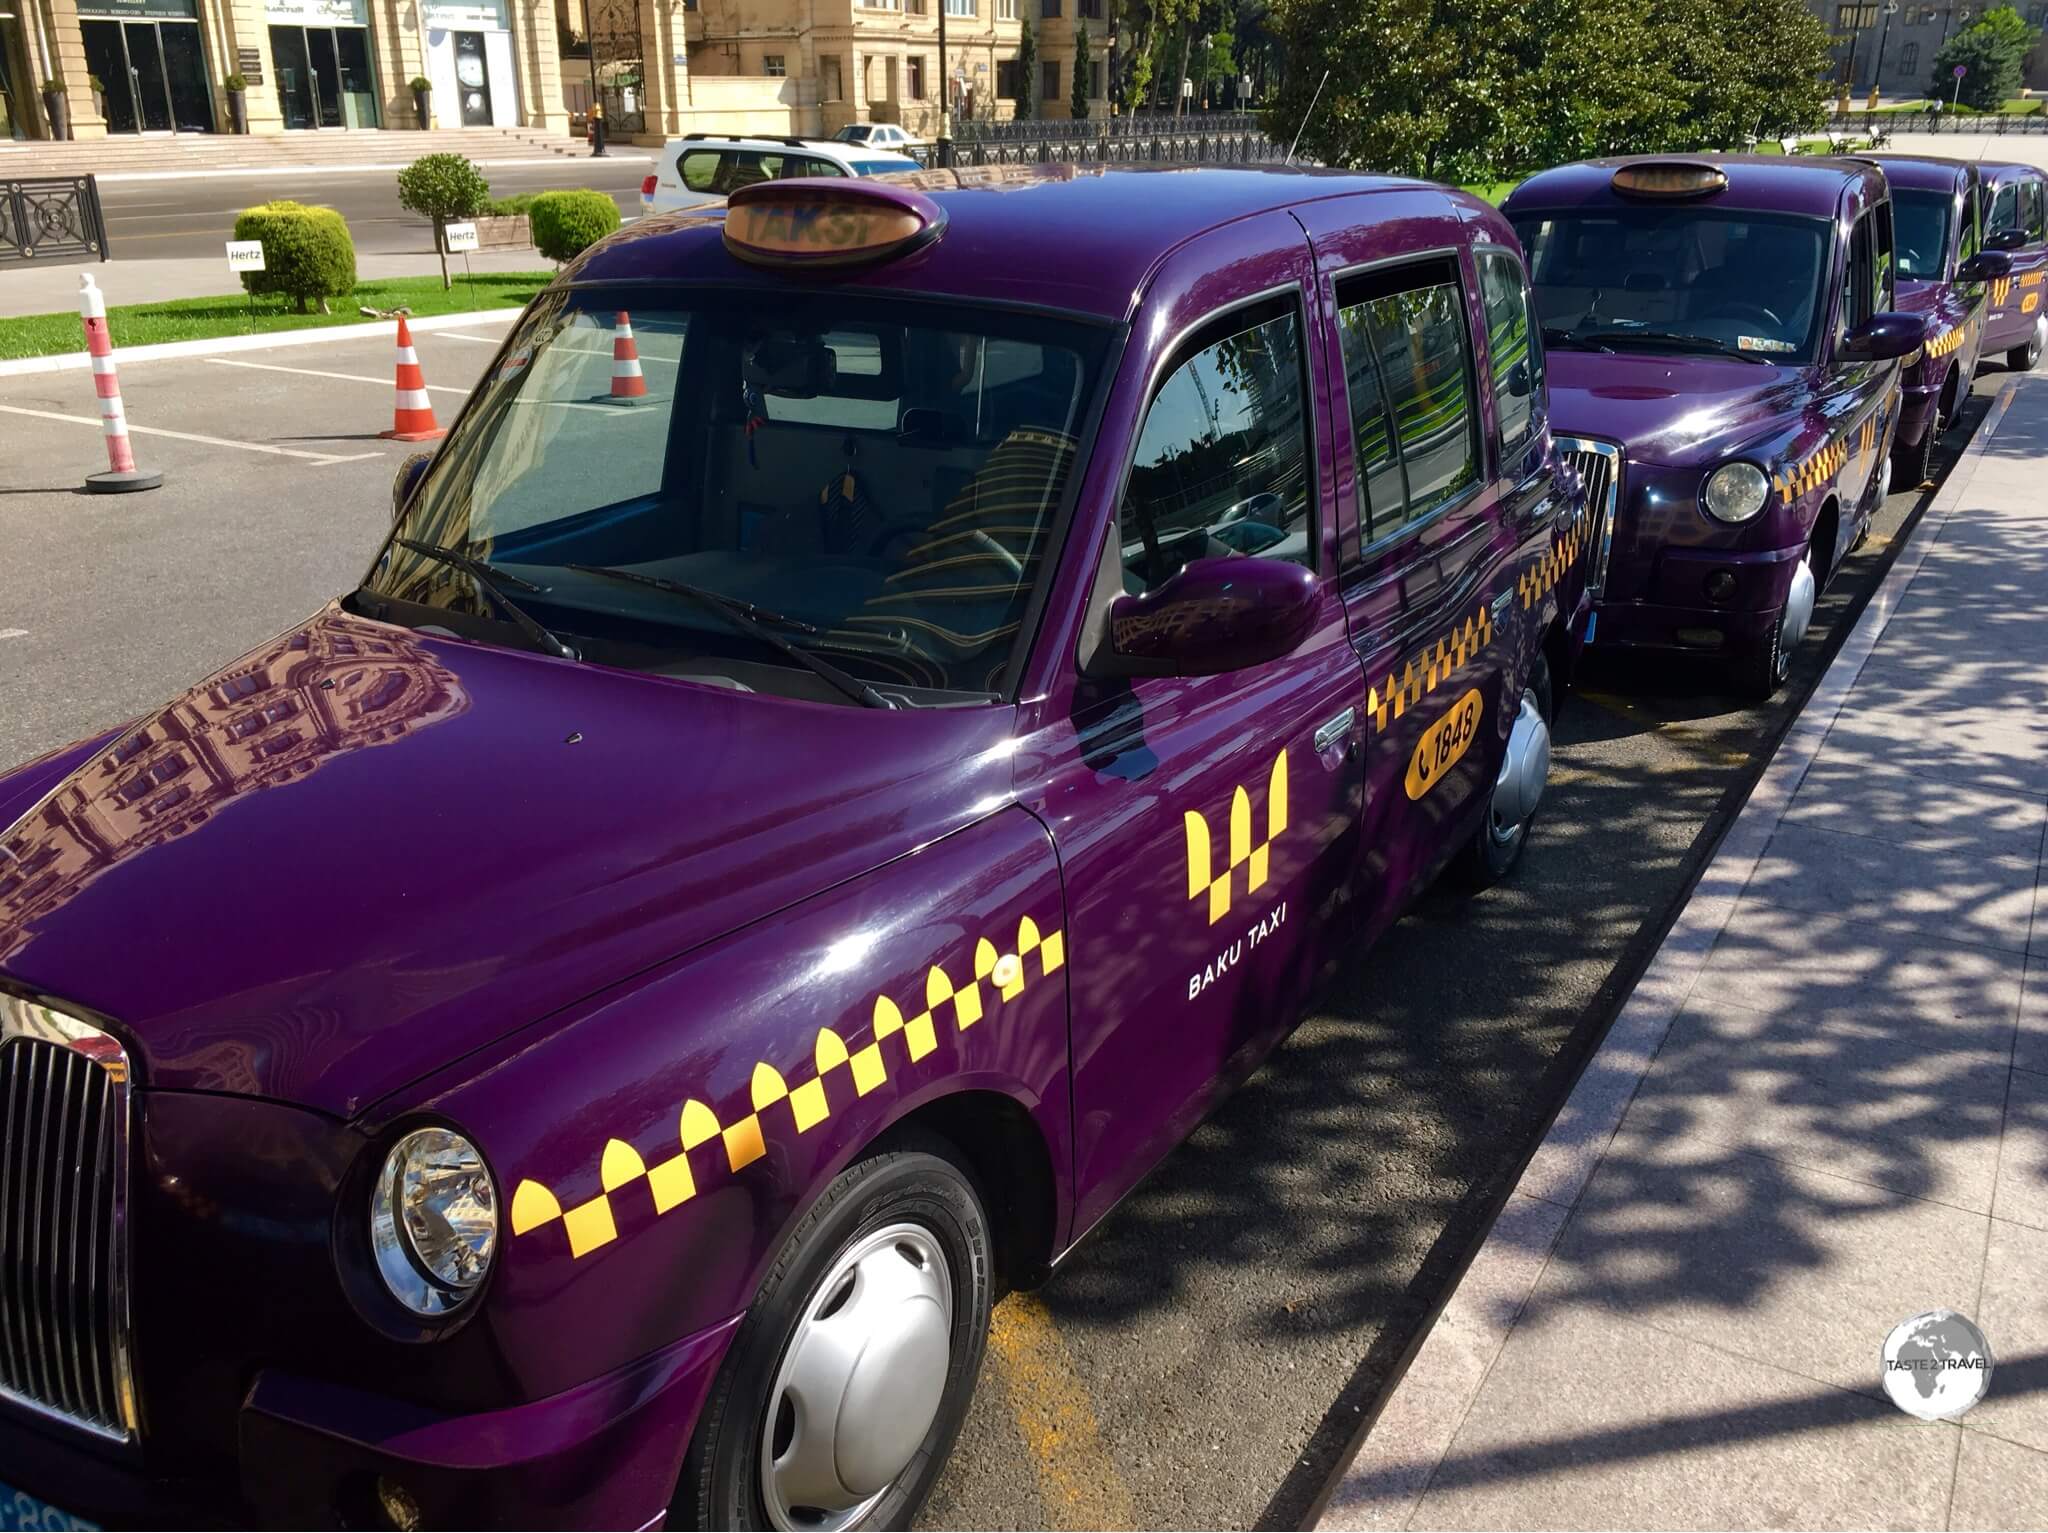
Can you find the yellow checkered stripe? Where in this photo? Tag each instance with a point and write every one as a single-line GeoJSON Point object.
{"type": "Point", "coordinates": [1244, 853]}
{"type": "Point", "coordinates": [2033, 279]}
{"type": "Point", "coordinates": [1816, 471]}
{"type": "Point", "coordinates": [1945, 342]}
{"type": "Point", "coordinates": [1866, 438]}
{"type": "Point", "coordinates": [2001, 289]}
{"type": "Point", "coordinates": [1550, 569]}
{"type": "Point", "coordinates": [1423, 673]}
{"type": "Point", "coordinates": [842, 1075]}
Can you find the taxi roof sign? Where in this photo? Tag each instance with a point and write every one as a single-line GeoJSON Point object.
{"type": "Point", "coordinates": [1671, 178]}
{"type": "Point", "coordinates": [820, 222]}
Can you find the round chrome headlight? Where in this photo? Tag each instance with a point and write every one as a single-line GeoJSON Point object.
{"type": "Point", "coordinates": [1736, 492]}
{"type": "Point", "coordinates": [434, 1220]}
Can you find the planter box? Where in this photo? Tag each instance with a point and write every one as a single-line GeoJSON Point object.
{"type": "Point", "coordinates": [514, 233]}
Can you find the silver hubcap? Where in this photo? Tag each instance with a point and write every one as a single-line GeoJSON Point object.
{"type": "Point", "coordinates": [1523, 772]}
{"type": "Point", "coordinates": [1798, 613]}
{"type": "Point", "coordinates": [2034, 342]}
{"type": "Point", "coordinates": [861, 1382]}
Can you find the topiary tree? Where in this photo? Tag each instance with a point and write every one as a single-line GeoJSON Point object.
{"type": "Point", "coordinates": [1077, 103]}
{"type": "Point", "coordinates": [307, 253]}
{"type": "Point", "coordinates": [443, 187]}
{"type": "Point", "coordinates": [1027, 70]}
{"type": "Point", "coordinates": [565, 224]}
{"type": "Point", "coordinates": [1994, 51]}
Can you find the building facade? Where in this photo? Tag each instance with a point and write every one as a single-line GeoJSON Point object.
{"type": "Point", "coordinates": [1890, 45]}
{"type": "Point", "coordinates": [163, 66]}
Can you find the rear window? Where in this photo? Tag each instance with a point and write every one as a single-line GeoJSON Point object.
{"type": "Point", "coordinates": [721, 172]}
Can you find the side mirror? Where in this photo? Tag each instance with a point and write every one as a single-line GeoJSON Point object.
{"type": "Point", "coordinates": [1520, 383]}
{"type": "Point", "coordinates": [1884, 336]}
{"type": "Point", "coordinates": [1216, 615]}
{"type": "Point", "coordinates": [2007, 239]}
{"type": "Point", "coordinates": [410, 472]}
{"type": "Point", "coordinates": [1985, 266]}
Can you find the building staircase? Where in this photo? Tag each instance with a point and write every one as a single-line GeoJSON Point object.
{"type": "Point", "coordinates": [167, 154]}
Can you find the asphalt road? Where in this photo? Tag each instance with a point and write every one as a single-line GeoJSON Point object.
{"type": "Point", "coordinates": [164, 219]}
{"type": "Point", "coordinates": [1205, 1357]}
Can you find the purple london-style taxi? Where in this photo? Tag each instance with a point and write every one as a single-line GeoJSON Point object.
{"type": "Point", "coordinates": [1945, 275]}
{"type": "Point", "coordinates": [1725, 365]}
{"type": "Point", "coordinates": [2016, 223]}
{"type": "Point", "coordinates": [581, 1029]}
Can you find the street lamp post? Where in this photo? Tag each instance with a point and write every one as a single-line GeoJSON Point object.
{"type": "Point", "coordinates": [1877, 75]}
{"type": "Point", "coordinates": [945, 145]}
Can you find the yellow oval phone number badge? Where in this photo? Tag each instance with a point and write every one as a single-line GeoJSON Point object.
{"type": "Point", "coordinates": [1444, 743]}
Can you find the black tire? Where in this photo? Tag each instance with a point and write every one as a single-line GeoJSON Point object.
{"type": "Point", "coordinates": [916, 1180]}
{"type": "Point", "coordinates": [2021, 359]}
{"type": "Point", "coordinates": [1761, 670]}
{"type": "Point", "coordinates": [1913, 467]}
{"type": "Point", "coordinates": [1488, 857]}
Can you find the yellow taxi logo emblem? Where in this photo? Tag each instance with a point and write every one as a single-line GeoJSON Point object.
{"type": "Point", "coordinates": [1253, 859]}
{"type": "Point", "coordinates": [1444, 743]}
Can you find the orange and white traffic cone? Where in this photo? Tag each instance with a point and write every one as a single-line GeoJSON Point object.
{"type": "Point", "coordinates": [121, 474]}
{"type": "Point", "coordinates": [412, 418]}
{"type": "Point", "coordinates": [628, 385]}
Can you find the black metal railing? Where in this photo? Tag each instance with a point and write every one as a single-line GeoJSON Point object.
{"type": "Point", "coordinates": [51, 218]}
{"type": "Point", "coordinates": [1233, 139]}
{"type": "Point", "coordinates": [1863, 124]}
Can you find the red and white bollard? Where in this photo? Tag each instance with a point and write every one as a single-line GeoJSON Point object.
{"type": "Point", "coordinates": [121, 474]}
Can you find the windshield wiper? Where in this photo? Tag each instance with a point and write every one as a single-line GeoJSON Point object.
{"type": "Point", "coordinates": [1572, 339]}
{"type": "Point", "coordinates": [492, 582]}
{"type": "Point", "coordinates": [753, 622]}
{"type": "Point", "coordinates": [1674, 338]}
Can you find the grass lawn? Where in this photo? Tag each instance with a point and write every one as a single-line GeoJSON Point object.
{"type": "Point", "coordinates": [193, 319]}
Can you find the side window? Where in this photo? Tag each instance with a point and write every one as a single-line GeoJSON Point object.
{"type": "Point", "coordinates": [1967, 237]}
{"type": "Point", "coordinates": [2033, 196]}
{"type": "Point", "coordinates": [1512, 343]}
{"type": "Point", "coordinates": [1859, 275]}
{"type": "Point", "coordinates": [1407, 329]}
{"type": "Point", "coordinates": [699, 169]}
{"type": "Point", "coordinates": [2005, 209]}
{"type": "Point", "coordinates": [1887, 258]}
{"type": "Point", "coordinates": [1224, 464]}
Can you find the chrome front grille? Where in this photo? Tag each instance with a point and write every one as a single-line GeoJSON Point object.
{"type": "Point", "coordinates": [64, 1342]}
{"type": "Point", "coordinates": [1599, 464]}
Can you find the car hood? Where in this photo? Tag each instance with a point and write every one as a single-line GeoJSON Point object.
{"type": "Point", "coordinates": [1669, 410]}
{"type": "Point", "coordinates": [360, 852]}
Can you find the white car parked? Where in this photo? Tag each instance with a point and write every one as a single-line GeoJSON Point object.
{"type": "Point", "coordinates": [877, 135]}
{"type": "Point", "coordinates": [701, 166]}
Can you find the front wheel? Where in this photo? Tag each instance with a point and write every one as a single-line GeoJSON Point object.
{"type": "Point", "coordinates": [1497, 845]}
{"type": "Point", "coordinates": [1913, 467]}
{"type": "Point", "coordinates": [852, 1372]}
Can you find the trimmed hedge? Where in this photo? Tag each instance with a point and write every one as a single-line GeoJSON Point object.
{"type": "Point", "coordinates": [565, 224]}
{"type": "Point", "coordinates": [307, 252]}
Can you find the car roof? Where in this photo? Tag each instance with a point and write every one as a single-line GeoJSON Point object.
{"type": "Point", "coordinates": [1773, 183]}
{"type": "Point", "coordinates": [1079, 238]}
{"type": "Point", "coordinates": [827, 146]}
{"type": "Point", "coordinates": [1926, 171]}
{"type": "Point", "coordinates": [1998, 172]}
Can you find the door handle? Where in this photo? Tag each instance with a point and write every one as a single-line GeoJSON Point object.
{"type": "Point", "coordinates": [1335, 729]}
{"type": "Point", "coordinates": [1500, 603]}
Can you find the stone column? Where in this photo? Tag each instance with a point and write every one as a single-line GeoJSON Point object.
{"type": "Point", "coordinates": [67, 58]}
{"type": "Point", "coordinates": [229, 27]}
{"type": "Point", "coordinates": [400, 52]}
{"type": "Point", "coordinates": [541, 105]}
{"type": "Point", "coordinates": [665, 83]}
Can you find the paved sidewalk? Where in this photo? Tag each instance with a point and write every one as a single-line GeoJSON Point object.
{"type": "Point", "coordinates": [1823, 1110]}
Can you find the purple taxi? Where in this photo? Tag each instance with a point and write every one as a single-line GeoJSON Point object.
{"type": "Point", "coordinates": [1944, 275]}
{"type": "Point", "coordinates": [2017, 224]}
{"type": "Point", "coordinates": [1724, 366]}
{"type": "Point", "coordinates": [582, 1029]}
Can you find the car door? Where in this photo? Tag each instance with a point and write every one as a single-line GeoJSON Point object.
{"type": "Point", "coordinates": [1431, 591]}
{"type": "Point", "coordinates": [1206, 825]}
{"type": "Point", "coordinates": [2021, 204]}
{"type": "Point", "coordinates": [1859, 399]}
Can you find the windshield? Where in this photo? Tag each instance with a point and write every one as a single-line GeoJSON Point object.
{"type": "Point", "coordinates": [854, 135]}
{"type": "Point", "coordinates": [875, 478]}
{"type": "Point", "coordinates": [1921, 219]}
{"type": "Point", "coordinates": [1678, 279]}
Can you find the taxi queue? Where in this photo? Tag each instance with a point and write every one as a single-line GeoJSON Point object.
{"type": "Point", "coordinates": [763, 862]}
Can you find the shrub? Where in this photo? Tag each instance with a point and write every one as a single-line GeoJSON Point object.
{"type": "Point", "coordinates": [235, 83]}
{"type": "Point", "coordinates": [511, 207]}
{"type": "Point", "coordinates": [565, 224]}
{"type": "Point", "coordinates": [441, 187]}
{"type": "Point", "coordinates": [307, 253]}
{"type": "Point", "coordinates": [419, 82]}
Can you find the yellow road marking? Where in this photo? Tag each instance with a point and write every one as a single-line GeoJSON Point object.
{"type": "Point", "coordinates": [1077, 1480]}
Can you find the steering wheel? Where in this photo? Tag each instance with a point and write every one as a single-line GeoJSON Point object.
{"type": "Point", "coordinates": [1740, 307]}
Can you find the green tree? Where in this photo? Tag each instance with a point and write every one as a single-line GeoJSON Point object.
{"type": "Point", "coordinates": [1077, 102]}
{"type": "Point", "coordinates": [565, 224]}
{"type": "Point", "coordinates": [1027, 70]}
{"type": "Point", "coordinates": [1994, 51]}
{"type": "Point", "coordinates": [443, 187]}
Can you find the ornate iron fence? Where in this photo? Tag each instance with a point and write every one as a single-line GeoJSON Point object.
{"type": "Point", "coordinates": [619, 64]}
{"type": "Point", "coordinates": [1213, 140]}
{"type": "Point", "coordinates": [51, 218]}
{"type": "Point", "coordinates": [1123, 126]}
{"type": "Point", "coordinates": [1862, 124]}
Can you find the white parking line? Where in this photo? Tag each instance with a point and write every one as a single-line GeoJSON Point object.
{"type": "Point", "coordinates": [315, 372]}
{"type": "Point", "coordinates": [457, 335]}
{"type": "Point", "coordinates": [316, 458]}
{"type": "Point", "coordinates": [13, 633]}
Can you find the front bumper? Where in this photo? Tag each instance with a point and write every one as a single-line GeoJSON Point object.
{"type": "Point", "coordinates": [310, 1454]}
{"type": "Point", "coordinates": [1680, 615]}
